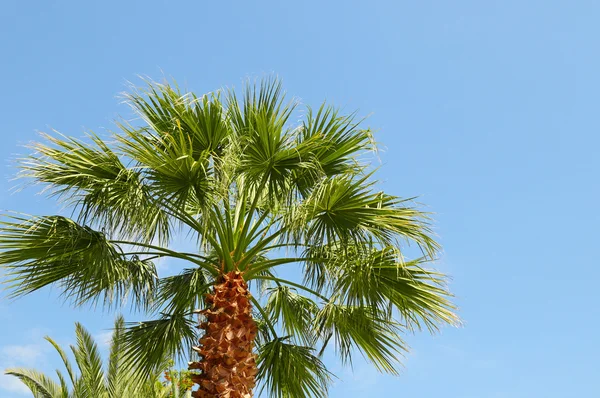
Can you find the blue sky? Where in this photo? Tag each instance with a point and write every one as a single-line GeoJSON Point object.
{"type": "Point", "coordinates": [487, 110]}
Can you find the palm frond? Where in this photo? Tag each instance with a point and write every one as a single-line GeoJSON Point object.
{"type": "Point", "coordinates": [294, 311]}
{"type": "Point", "coordinates": [148, 345]}
{"type": "Point", "coordinates": [365, 276]}
{"type": "Point", "coordinates": [63, 384]}
{"type": "Point", "coordinates": [38, 383]}
{"type": "Point", "coordinates": [338, 140]}
{"type": "Point", "coordinates": [65, 360]}
{"type": "Point", "coordinates": [93, 177]}
{"type": "Point", "coordinates": [267, 150]}
{"type": "Point", "coordinates": [344, 208]}
{"type": "Point", "coordinates": [89, 362]}
{"type": "Point", "coordinates": [115, 373]}
{"type": "Point", "coordinates": [40, 251]}
{"type": "Point", "coordinates": [173, 172]}
{"type": "Point", "coordinates": [265, 100]}
{"type": "Point", "coordinates": [291, 371]}
{"type": "Point", "coordinates": [168, 111]}
{"type": "Point", "coordinates": [418, 294]}
{"type": "Point", "coordinates": [183, 293]}
{"type": "Point", "coordinates": [374, 334]}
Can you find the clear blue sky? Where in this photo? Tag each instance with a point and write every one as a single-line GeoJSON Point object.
{"type": "Point", "coordinates": [488, 111]}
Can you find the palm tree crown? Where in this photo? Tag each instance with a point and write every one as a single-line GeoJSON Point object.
{"type": "Point", "coordinates": [256, 194]}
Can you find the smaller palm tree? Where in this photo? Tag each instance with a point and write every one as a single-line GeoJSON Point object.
{"type": "Point", "coordinates": [93, 380]}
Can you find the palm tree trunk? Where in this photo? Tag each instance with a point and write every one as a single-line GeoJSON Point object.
{"type": "Point", "coordinates": [228, 363]}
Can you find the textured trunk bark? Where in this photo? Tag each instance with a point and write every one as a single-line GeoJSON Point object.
{"type": "Point", "coordinates": [228, 363]}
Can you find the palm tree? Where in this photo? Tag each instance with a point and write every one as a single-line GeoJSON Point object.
{"type": "Point", "coordinates": [92, 380]}
{"type": "Point", "coordinates": [258, 197]}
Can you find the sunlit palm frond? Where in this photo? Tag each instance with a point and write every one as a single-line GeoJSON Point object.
{"type": "Point", "coordinates": [294, 311]}
{"type": "Point", "coordinates": [379, 278]}
{"type": "Point", "coordinates": [373, 333]}
{"type": "Point", "coordinates": [264, 100]}
{"type": "Point", "coordinates": [89, 362]}
{"type": "Point", "coordinates": [40, 251]}
{"type": "Point", "coordinates": [117, 378]}
{"type": "Point", "coordinates": [65, 360]}
{"type": "Point", "coordinates": [290, 371]}
{"type": "Point", "coordinates": [63, 385]}
{"type": "Point", "coordinates": [174, 173]}
{"type": "Point", "coordinates": [168, 111]}
{"type": "Point", "coordinates": [338, 140]}
{"type": "Point", "coordinates": [148, 345]}
{"type": "Point", "coordinates": [94, 178]}
{"type": "Point", "coordinates": [345, 208]}
{"type": "Point", "coordinates": [183, 293]}
{"type": "Point", "coordinates": [266, 147]}
{"type": "Point", "coordinates": [38, 383]}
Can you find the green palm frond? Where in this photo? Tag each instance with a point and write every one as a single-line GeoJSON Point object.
{"type": "Point", "coordinates": [118, 380]}
{"type": "Point", "coordinates": [65, 359]}
{"type": "Point", "coordinates": [261, 102]}
{"type": "Point", "coordinates": [63, 385]}
{"type": "Point", "coordinates": [38, 383]}
{"type": "Point", "coordinates": [93, 177]}
{"type": "Point", "coordinates": [89, 362]}
{"type": "Point", "coordinates": [168, 111]}
{"type": "Point", "coordinates": [183, 293]}
{"type": "Point", "coordinates": [345, 208]}
{"type": "Point", "coordinates": [379, 278]}
{"type": "Point", "coordinates": [148, 345]}
{"type": "Point", "coordinates": [338, 138]}
{"type": "Point", "coordinates": [289, 371]}
{"type": "Point", "coordinates": [373, 333]}
{"type": "Point", "coordinates": [40, 251]}
{"type": "Point", "coordinates": [267, 151]}
{"type": "Point", "coordinates": [294, 311]}
{"type": "Point", "coordinates": [172, 170]}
